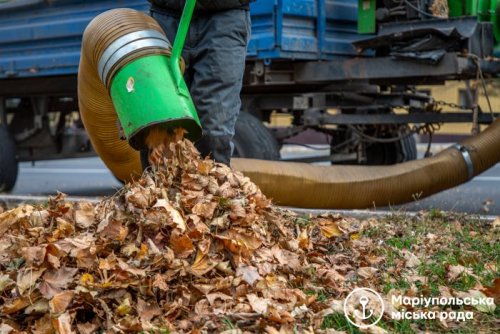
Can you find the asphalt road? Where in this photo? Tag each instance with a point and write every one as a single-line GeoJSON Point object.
{"type": "Point", "coordinates": [89, 177]}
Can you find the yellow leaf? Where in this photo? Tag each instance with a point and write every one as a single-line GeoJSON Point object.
{"type": "Point", "coordinates": [329, 229]}
{"type": "Point", "coordinates": [354, 236]}
{"type": "Point", "coordinates": [87, 279]}
{"type": "Point", "coordinates": [124, 308]}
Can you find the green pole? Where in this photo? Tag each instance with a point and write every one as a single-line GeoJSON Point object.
{"type": "Point", "coordinates": [179, 41]}
{"type": "Point", "coordinates": [495, 18]}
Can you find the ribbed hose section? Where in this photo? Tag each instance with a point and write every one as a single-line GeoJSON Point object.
{"type": "Point", "coordinates": [348, 187]}
{"type": "Point", "coordinates": [96, 108]}
{"type": "Point", "coordinates": [292, 184]}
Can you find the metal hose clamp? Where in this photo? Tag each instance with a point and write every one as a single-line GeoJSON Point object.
{"type": "Point", "coordinates": [127, 44]}
{"type": "Point", "coordinates": [467, 158]}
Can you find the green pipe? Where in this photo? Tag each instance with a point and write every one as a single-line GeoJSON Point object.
{"type": "Point", "coordinates": [179, 41]}
{"type": "Point", "coordinates": [151, 91]}
{"type": "Point", "coordinates": [145, 95]}
{"type": "Point", "coordinates": [495, 19]}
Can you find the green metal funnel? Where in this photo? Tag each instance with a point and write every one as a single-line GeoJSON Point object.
{"type": "Point", "coordinates": [151, 90]}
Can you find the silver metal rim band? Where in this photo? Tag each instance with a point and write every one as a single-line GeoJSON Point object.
{"type": "Point", "coordinates": [467, 158]}
{"type": "Point", "coordinates": [129, 43]}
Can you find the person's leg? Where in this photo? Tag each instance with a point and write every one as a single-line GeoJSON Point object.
{"type": "Point", "coordinates": [218, 63]}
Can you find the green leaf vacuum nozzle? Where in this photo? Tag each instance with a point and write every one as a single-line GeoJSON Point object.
{"type": "Point", "coordinates": [147, 88]}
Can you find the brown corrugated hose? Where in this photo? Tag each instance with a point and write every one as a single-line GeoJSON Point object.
{"type": "Point", "coordinates": [292, 184]}
{"type": "Point", "coordinates": [96, 108]}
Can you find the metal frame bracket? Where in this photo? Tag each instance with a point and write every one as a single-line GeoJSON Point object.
{"type": "Point", "coordinates": [467, 158]}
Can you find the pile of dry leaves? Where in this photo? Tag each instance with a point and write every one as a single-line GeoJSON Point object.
{"type": "Point", "coordinates": [189, 247]}
{"type": "Point", "coordinates": [195, 247]}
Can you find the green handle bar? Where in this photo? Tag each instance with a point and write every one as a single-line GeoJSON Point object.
{"type": "Point", "coordinates": [180, 39]}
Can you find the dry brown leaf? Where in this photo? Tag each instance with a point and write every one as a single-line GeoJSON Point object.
{"type": "Point", "coordinates": [6, 329]}
{"type": "Point", "coordinates": [147, 311]}
{"type": "Point", "coordinates": [27, 278]}
{"type": "Point", "coordinates": [54, 281]}
{"type": "Point", "coordinates": [496, 224]}
{"type": "Point", "coordinates": [175, 215]}
{"type": "Point", "coordinates": [115, 230]}
{"type": "Point", "coordinates": [11, 217]}
{"type": "Point", "coordinates": [250, 274]}
{"type": "Point", "coordinates": [240, 243]}
{"type": "Point", "coordinates": [304, 239]}
{"type": "Point", "coordinates": [212, 297]}
{"type": "Point", "coordinates": [43, 325]}
{"type": "Point", "coordinates": [491, 291]}
{"type": "Point", "coordinates": [445, 292]}
{"type": "Point", "coordinates": [259, 305]}
{"type": "Point", "coordinates": [286, 258]}
{"type": "Point", "coordinates": [412, 260]}
{"type": "Point", "coordinates": [87, 327]}
{"type": "Point", "coordinates": [201, 264]}
{"type": "Point", "coordinates": [131, 269]}
{"type": "Point", "coordinates": [417, 278]}
{"type": "Point", "coordinates": [205, 209]}
{"type": "Point", "coordinates": [455, 271]}
{"type": "Point", "coordinates": [63, 324]}
{"type": "Point", "coordinates": [85, 215]}
{"type": "Point", "coordinates": [181, 244]}
{"type": "Point", "coordinates": [367, 272]}
{"type": "Point", "coordinates": [34, 255]}
{"type": "Point", "coordinates": [60, 302]}
{"type": "Point", "coordinates": [139, 197]}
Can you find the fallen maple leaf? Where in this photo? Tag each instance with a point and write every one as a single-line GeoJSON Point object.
{"type": "Point", "coordinates": [204, 209]}
{"type": "Point", "coordinates": [201, 264]}
{"type": "Point", "coordinates": [491, 291]}
{"type": "Point", "coordinates": [181, 244]}
{"type": "Point", "coordinates": [34, 255]}
{"type": "Point", "coordinates": [63, 324]}
{"type": "Point", "coordinates": [249, 273]}
{"type": "Point", "coordinates": [85, 215]}
{"type": "Point", "coordinates": [26, 279]}
{"type": "Point", "coordinates": [367, 272]}
{"type": "Point", "coordinates": [455, 271]}
{"type": "Point", "coordinates": [212, 297]}
{"type": "Point", "coordinates": [330, 229]}
{"type": "Point", "coordinates": [259, 305]}
{"type": "Point", "coordinates": [412, 260]}
{"type": "Point", "coordinates": [147, 310]}
{"type": "Point", "coordinates": [60, 302]}
{"type": "Point", "coordinates": [54, 281]}
{"type": "Point", "coordinates": [175, 215]}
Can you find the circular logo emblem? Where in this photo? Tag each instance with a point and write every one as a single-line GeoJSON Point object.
{"type": "Point", "coordinates": [363, 307]}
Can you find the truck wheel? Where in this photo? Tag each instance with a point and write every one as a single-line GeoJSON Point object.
{"type": "Point", "coordinates": [8, 160]}
{"type": "Point", "coordinates": [253, 140]}
{"type": "Point", "coordinates": [392, 153]}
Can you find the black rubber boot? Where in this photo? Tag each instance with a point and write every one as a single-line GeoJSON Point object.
{"type": "Point", "coordinates": [215, 147]}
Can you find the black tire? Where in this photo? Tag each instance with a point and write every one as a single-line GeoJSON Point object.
{"type": "Point", "coordinates": [253, 140]}
{"type": "Point", "coordinates": [8, 160]}
{"type": "Point", "coordinates": [392, 153]}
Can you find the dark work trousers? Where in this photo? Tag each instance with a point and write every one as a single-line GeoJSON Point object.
{"type": "Point", "coordinates": [214, 53]}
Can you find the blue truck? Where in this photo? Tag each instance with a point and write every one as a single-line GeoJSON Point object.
{"type": "Point", "coordinates": [339, 68]}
